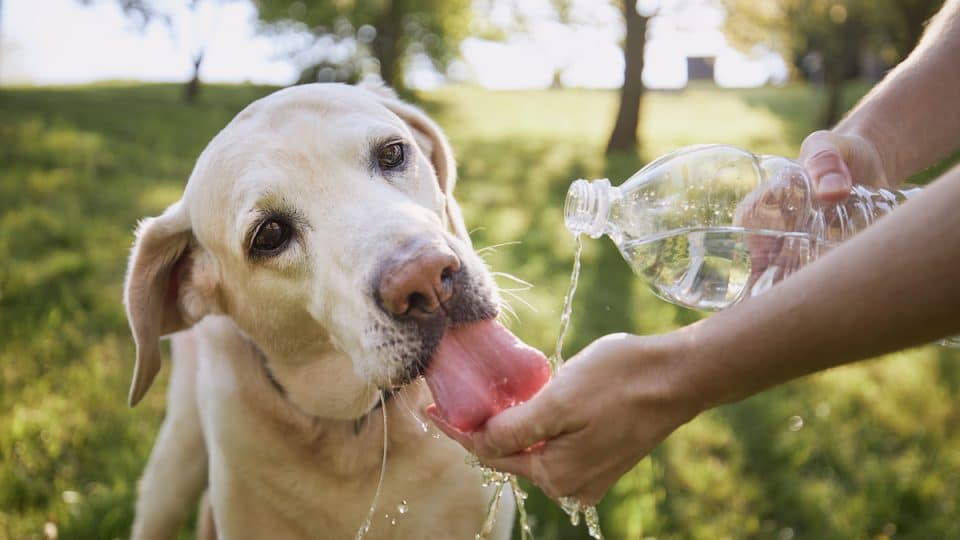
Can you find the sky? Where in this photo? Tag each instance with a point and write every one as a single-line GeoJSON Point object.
{"type": "Point", "coordinates": [63, 42]}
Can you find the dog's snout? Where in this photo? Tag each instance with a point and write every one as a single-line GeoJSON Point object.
{"type": "Point", "coordinates": [418, 283]}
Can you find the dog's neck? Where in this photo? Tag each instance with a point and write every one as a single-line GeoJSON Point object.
{"type": "Point", "coordinates": [358, 423]}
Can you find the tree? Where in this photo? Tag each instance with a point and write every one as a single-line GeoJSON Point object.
{"type": "Point", "coordinates": [624, 136]}
{"type": "Point", "coordinates": [392, 31]}
{"type": "Point", "coordinates": [830, 37]}
{"type": "Point", "coordinates": [143, 12]}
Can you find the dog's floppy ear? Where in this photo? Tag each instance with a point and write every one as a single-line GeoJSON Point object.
{"type": "Point", "coordinates": [433, 143]}
{"type": "Point", "coordinates": [160, 294]}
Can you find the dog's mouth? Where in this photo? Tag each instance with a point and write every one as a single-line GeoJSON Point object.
{"type": "Point", "coordinates": [473, 366]}
{"type": "Point", "coordinates": [479, 369]}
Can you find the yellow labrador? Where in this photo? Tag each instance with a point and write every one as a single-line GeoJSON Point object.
{"type": "Point", "coordinates": [316, 257]}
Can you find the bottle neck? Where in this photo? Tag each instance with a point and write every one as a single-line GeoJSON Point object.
{"type": "Point", "coordinates": [587, 207]}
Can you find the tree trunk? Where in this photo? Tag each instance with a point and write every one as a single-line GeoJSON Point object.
{"type": "Point", "coordinates": [831, 109]}
{"type": "Point", "coordinates": [386, 45]}
{"type": "Point", "coordinates": [624, 136]}
{"type": "Point", "coordinates": [193, 85]}
{"type": "Point", "coordinates": [833, 77]}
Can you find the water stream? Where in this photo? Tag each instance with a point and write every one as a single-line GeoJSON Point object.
{"type": "Point", "coordinates": [365, 526]}
{"type": "Point", "coordinates": [571, 506]}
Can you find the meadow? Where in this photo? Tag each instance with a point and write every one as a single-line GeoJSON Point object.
{"type": "Point", "coordinates": [870, 451]}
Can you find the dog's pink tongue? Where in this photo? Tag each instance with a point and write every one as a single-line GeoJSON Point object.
{"type": "Point", "coordinates": [479, 370]}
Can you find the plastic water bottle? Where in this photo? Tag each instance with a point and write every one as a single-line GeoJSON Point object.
{"type": "Point", "coordinates": [709, 226]}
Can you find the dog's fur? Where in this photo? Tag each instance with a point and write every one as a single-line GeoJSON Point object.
{"type": "Point", "coordinates": [278, 360]}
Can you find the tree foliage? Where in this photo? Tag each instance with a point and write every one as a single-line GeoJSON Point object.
{"type": "Point", "coordinates": [833, 38]}
{"type": "Point", "coordinates": [391, 31]}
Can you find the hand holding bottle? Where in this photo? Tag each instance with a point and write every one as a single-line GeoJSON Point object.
{"type": "Point", "coordinates": [836, 161]}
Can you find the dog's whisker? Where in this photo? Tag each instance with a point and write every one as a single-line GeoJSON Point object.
{"type": "Point", "coordinates": [508, 309]}
{"type": "Point", "coordinates": [495, 246]}
{"type": "Point", "coordinates": [513, 278]}
{"type": "Point", "coordinates": [519, 298]}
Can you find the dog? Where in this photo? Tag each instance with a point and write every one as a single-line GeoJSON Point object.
{"type": "Point", "coordinates": [315, 260]}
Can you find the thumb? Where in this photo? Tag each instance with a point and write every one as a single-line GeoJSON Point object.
{"type": "Point", "coordinates": [823, 154]}
{"type": "Point", "coordinates": [520, 427]}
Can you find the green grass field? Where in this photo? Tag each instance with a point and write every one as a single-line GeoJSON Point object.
{"type": "Point", "coordinates": [877, 455]}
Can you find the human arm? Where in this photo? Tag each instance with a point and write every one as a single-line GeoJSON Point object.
{"type": "Point", "coordinates": [904, 124]}
{"type": "Point", "coordinates": [892, 286]}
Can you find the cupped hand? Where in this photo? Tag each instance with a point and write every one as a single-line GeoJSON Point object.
{"type": "Point", "coordinates": [604, 411]}
{"type": "Point", "coordinates": [835, 162]}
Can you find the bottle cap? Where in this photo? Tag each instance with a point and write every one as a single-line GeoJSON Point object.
{"type": "Point", "coordinates": [585, 211]}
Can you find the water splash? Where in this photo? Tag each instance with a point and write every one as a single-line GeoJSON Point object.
{"type": "Point", "coordinates": [526, 532]}
{"type": "Point", "coordinates": [489, 476]}
{"type": "Point", "coordinates": [365, 526]}
{"type": "Point", "coordinates": [591, 518]}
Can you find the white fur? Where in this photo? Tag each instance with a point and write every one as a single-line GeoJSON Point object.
{"type": "Point", "coordinates": [290, 464]}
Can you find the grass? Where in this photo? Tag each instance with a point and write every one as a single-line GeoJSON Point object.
{"type": "Point", "coordinates": [877, 454]}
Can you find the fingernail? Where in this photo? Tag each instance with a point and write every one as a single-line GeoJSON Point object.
{"type": "Point", "coordinates": [833, 182]}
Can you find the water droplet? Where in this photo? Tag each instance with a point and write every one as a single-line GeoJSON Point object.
{"type": "Point", "coordinates": [785, 533]}
{"type": "Point", "coordinates": [402, 507]}
{"type": "Point", "coordinates": [593, 522]}
{"type": "Point", "coordinates": [823, 410]}
{"type": "Point", "coordinates": [795, 423]}
{"type": "Point", "coordinates": [436, 435]}
{"type": "Point", "coordinates": [393, 521]}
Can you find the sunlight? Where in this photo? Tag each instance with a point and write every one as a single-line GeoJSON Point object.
{"type": "Point", "coordinates": [99, 43]}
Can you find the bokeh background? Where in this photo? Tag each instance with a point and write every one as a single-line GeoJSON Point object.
{"type": "Point", "coordinates": [105, 105]}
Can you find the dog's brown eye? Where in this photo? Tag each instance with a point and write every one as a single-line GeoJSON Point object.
{"type": "Point", "coordinates": [271, 236]}
{"type": "Point", "coordinates": [390, 156]}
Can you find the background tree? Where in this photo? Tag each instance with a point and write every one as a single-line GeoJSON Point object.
{"type": "Point", "coordinates": [144, 12]}
{"type": "Point", "coordinates": [830, 40]}
{"type": "Point", "coordinates": [624, 136]}
{"type": "Point", "coordinates": [391, 31]}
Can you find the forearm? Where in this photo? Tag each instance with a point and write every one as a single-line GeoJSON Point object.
{"type": "Point", "coordinates": [912, 116]}
{"type": "Point", "coordinates": [895, 285]}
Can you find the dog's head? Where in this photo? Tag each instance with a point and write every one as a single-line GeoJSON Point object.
{"type": "Point", "coordinates": [321, 220]}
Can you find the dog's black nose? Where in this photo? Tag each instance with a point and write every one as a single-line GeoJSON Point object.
{"type": "Point", "coordinates": [417, 279]}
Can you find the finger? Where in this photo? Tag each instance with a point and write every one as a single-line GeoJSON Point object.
{"type": "Point", "coordinates": [448, 430]}
{"type": "Point", "coordinates": [532, 465]}
{"type": "Point", "coordinates": [519, 464]}
{"type": "Point", "coordinates": [823, 156]}
{"type": "Point", "coordinates": [520, 427]}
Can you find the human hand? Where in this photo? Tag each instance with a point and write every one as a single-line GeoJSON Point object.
{"type": "Point", "coordinates": [836, 161]}
{"type": "Point", "coordinates": [604, 410]}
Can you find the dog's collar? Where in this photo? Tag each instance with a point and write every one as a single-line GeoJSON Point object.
{"type": "Point", "coordinates": [358, 423]}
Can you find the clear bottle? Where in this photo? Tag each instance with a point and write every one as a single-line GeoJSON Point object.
{"type": "Point", "coordinates": [709, 226]}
